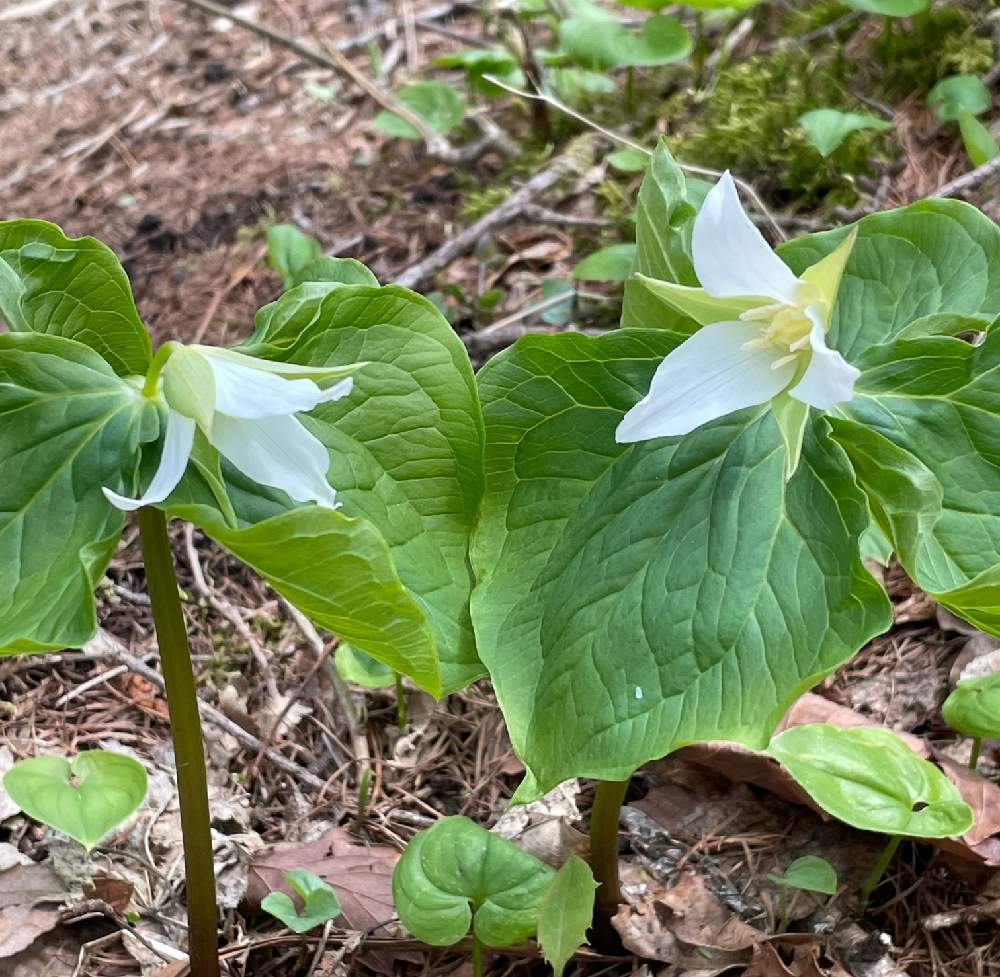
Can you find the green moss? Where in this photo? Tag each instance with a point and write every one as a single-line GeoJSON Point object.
{"type": "Point", "coordinates": [749, 122]}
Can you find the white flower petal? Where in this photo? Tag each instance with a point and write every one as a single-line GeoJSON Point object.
{"type": "Point", "coordinates": [177, 444]}
{"type": "Point", "coordinates": [731, 256]}
{"type": "Point", "coordinates": [245, 392]}
{"type": "Point", "coordinates": [317, 373]}
{"type": "Point", "coordinates": [829, 378]}
{"type": "Point", "coordinates": [707, 376]}
{"type": "Point", "coordinates": [277, 451]}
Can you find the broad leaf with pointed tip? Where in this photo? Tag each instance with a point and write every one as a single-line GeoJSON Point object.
{"type": "Point", "coordinates": [869, 778]}
{"type": "Point", "coordinates": [634, 598]}
{"type": "Point", "coordinates": [456, 874]}
{"type": "Point", "coordinates": [70, 287]}
{"type": "Point", "coordinates": [810, 873]}
{"type": "Point", "coordinates": [70, 426]}
{"type": "Point", "coordinates": [84, 798]}
{"type": "Point", "coordinates": [566, 913]}
{"type": "Point", "coordinates": [406, 447]}
{"type": "Point", "coordinates": [923, 435]}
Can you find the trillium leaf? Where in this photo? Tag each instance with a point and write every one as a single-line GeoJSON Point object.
{"type": "Point", "coordinates": [973, 708]}
{"type": "Point", "coordinates": [930, 257]}
{"type": "Point", "coordinates": [84, 798]}
{"type": "Point", "coordinates": [828, 128]}
{"type": "Point", "coordinates": [869, 778]}
{"type": "Point", "coordinates": [633, 598]}
{"type": "Point", "coordinates": [339, 572]}
{"type": "Point", "coordinates": [341, 271]}
{"type": "Point", "coordinates": [70, 427]}
{"type": "Point", "coordinates": [319, 902]}
{"type": "Point", "coordinates": [70, 287]}
{"type": "Point", "coordinates": [406, 447]}
{"type": "Point", "coordinates": [456, 874]}
{"type": "Point", "coordinates": [923, 438]}
{"type": "Point", "coordinates": [289, 251]}
{"type": "Point", "coordinates": [664, 221]}
{"type": "Point", "coordinates": [566, 913]}
{"type": "Point", "coordinates": [810, 873]}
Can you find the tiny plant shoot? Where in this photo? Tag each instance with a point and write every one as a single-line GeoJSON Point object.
{"type": "Point", "coordinates": [973, 708]}
{"type": "Point", "coordinates": [810, 873]}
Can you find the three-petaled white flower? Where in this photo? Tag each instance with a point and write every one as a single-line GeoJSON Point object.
{"type": "Point", "coordinates": [763, 329]}
{"type": "Point", "coordinates": [246, 409]}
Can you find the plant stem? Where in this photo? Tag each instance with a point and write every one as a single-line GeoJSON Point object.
{"type": "Point", "coordinates": [880, 866]}
{"type": "Point", "coordinates": [189, 755]}
{"type": "Point", "coordinates": [477, 956]}
{"type": "Point", "coordinates": [604, 855]}
{"type": "Point", "coordinates": [977, 744]}
{"type": "Point", "coordinates": [402, 717]}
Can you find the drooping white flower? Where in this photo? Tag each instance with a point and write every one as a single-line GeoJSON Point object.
{"type": "Point", "coordinates": [246, 409]}
{"type": "Point", "coordinates": [763, 329]}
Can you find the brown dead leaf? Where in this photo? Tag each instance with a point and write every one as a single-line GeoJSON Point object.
{"type": "Point", "coordinates": [21, 925]}
{"type": "Point", "coordinates": [981, 795]}
{"type": "Point", "coordinates": [115, 892]}
{"type": "Point", "coordinates": [768, 962]}
{"type": "Point", "coordinates": [699, 918]}
{"type": "Point", "coordinates": [361, 874]}
{"type": "Point", "coordinates": [643, 934]}
{"type": "Point", "coordinates": [144, 694]}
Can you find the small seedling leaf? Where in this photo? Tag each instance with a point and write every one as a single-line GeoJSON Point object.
{"type": "Point", "coordinates": [611, 264]}
{"type": "Point", "coordinates": [869, 778]}
{"type": "Point", "coordinates": [357, 666]}
{"type": "Point", "coordinates": [437, 103]}
{"type": "Point", "coordinates": [455, 874]}
{"type": "Point", "coordinates": [566, 912]}
{"type": "Point", "coordinates": [84, 797]}
{"type": "Point", "coordinates": [289, 251]}
{"type": "Point", "coordinates": [319, 902]}
{"type": "Point", "coordinates": [973, 708]}
{"type": "Point", "coordinates": [890, 8]}
{"type": "Point", "coordinates": [979, 142]}
{"type": "Point", "coordinates": [828, 128]}
{"type": "Point", "coordinates": [957, 92]}
{"type": "Point", "coordinates": [809, 873]}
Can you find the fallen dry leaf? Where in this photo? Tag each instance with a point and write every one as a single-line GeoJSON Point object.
{"type": "Point", "coordinates": [21, 925]}
{"type": "Point", "coordinates": [643, 934]}
{"type": "Point", "coordinates": [361, 874]}
{"type": "Point", "coordinates": [544, 827]}
{"type": "Point", "coordinates": [115, 892]}
{"type": "Point", "coordinates": [697, 917]}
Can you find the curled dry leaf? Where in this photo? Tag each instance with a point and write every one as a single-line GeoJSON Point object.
{"type": "Point", "coordinates": [544, 828]}
{"type": "Point", "coordinates": [360, 874]}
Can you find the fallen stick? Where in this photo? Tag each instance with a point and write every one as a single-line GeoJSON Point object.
{"type": "Point", "coordinates": [110, 646]}
{"type": "Point", "coordinates": [969, 180]}
{"type": "Point", "coordinates": [576, 159]}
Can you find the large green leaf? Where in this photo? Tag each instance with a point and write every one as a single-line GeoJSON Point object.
{"type": "Point", "coordinates": [634, 598]}
{"type": "Point", "coordinates": [869, 778]}
{"type": "Point", "coordinates": [664, 220]}
{"type": "Point", "coordinates": [455, 874]}
{"type": "Point", "coordinates": [339, 572]}
{"type": "Point", "coordinates": [932, 256]}
{"type": "Point", "coordinates": [924, 438]}
{"type": "Point", "coordinates": [84, 797]}
{"type": "Point", "coordinates": [70, 426]}
{"type": "Point", "coordinates": [406, 448]}
{"type": "Point", "coordinates": [70, 287]}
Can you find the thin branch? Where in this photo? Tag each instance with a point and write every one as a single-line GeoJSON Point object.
{"type": "Point", "coordinates": [969, 180]}
{"type": "Point", "coordinates": [333, 58]}
{"type": "Point", "coordinates": [576, 158]}
{"type": "Point", "coordinates": [618, 137]}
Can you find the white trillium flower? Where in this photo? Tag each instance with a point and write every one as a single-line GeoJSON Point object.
{"type": "Point", "coordinates": [763, 329]}
{"type": "Point", "coordinates": [246, 409]}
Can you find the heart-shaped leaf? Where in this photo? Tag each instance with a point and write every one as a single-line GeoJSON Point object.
{"type": "Point", "coordinates": [973, 708]}
{"type": "Point", "coordinates": [957, 92]}
{"type": "Point", "coordinates": [869, 778]}
{"type": "Point", "coordinates": [595, 40]}
{"type": "Point", "coordinates": [84, 798]}
{"type": "Point", "coordinates": [455, 874]}
{"type": "Point", "coordinates": [809, 873]}
{"type": "Point", "coordinates": [319, 902]}
{"type": "Point", "coordinates": [566, 912]}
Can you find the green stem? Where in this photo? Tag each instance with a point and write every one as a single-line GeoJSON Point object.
{"type": "Point", "coordinates": [604, 855]}
{"type": "Point", "coordinates": [977, 744]}
{"type": "Point", "coordinates": [880, 866]}
{"type": "Point", "coordinates": [782, 910]}
{"type": "Point", "coordinates": [156, 368]}
{"type": "Point", "coordinates": [477, 956]}
{"type": "Point", "coordinates": [402, 717]}
{"type": "Point", "coordinates": [189, 755]}
{"type": "Point", "coordinates": [364, 784]}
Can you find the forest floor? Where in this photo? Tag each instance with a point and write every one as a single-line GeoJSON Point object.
{"type": "Point", "coordinates": [176, 137]}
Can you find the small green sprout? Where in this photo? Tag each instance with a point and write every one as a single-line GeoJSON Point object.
{"type": "Point", "coordinates": [973, 708]}
{"type": "Point", "coordinates": [810, 873]}
{"type": "Point", "coordinates": [319, 902]}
